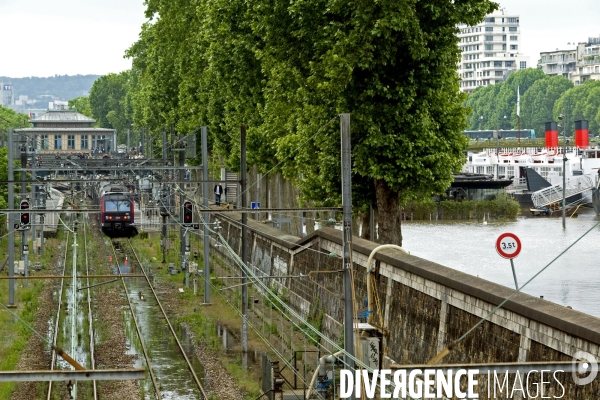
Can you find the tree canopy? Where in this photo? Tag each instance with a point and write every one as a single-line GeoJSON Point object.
{"type": "Point", "coordinates": [287, 69]}
{"type": "Point", "coordinates": [81, 105]}
{"type": "Point", "coordinates": [580, 102]}
{"type": "Point", "coordinates": [109, 102]}
{"type": "Point", "coordinates": [543, 99]}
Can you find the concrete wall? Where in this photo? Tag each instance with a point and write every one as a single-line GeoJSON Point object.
{"type": "Point", "coordinates": [424, 305]}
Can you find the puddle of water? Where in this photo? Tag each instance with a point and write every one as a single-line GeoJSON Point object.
{"type": "Point", "coordinates": [169, 367]}
{"type": "Point", "coordinates": [230, 340]}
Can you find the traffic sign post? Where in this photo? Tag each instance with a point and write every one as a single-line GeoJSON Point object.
{"type": "Point", "coordinates": [508, 246]}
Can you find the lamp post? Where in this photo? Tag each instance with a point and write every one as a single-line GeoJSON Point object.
{"type": "Point", "coordinates": [564, 201]}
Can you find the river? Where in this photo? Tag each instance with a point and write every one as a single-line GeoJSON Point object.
{"type": "Point", "coordinates": [469, 246]}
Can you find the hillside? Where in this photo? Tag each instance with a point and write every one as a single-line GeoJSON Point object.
{"type": "Point", "coordinates": [58, 87]}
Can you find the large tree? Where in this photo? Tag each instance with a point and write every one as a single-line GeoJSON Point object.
{"type": "Point", "coordinates": [538, 102]}
{"type": "Point", "coordinates": [81, 105]}
{"type": "Point", "coordinates": [288, 68]}
{"type": "Point", "coordinates": [392, 65]}
{"type": "Point", "coordinates": [490, 104]}
{"type": "Point", "coordinates": [108, 102]}
{"type": "Point", "coordinates": [580, 102]}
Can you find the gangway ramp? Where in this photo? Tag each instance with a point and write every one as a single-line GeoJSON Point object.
{"type": "Point", "coordinates": [554, 194]}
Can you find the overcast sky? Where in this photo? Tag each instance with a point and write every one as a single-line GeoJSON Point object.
{"type": "Point", "coordinates": [46, 38]}
{"type": "Point", "coordinates": [58, 37]}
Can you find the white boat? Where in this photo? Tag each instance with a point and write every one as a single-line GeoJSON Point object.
{"type": "Point", "coordinates": [581, 166]}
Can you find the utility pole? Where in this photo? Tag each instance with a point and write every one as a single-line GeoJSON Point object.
{"type": "Point", "coordinates": [164, 199]}
{"type": "Point", "coordinates": [24, 242]}
{"type": "Point", "coordinates": [346, 242]}
{"type": "Point", "coordinates": [74, 304]}
{"type": "Point", "coordinates": [564, 171]}
{"type": "Point", "coordinates": [11, 232]}
{"type": "Point", "coordinates": [206, 238]}
{"type": "Point", "coordinates": [182, 229]}
{"type": "Point", "coordinates": [244, 248]}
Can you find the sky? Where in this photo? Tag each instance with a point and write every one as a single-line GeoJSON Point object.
{"type": "Point", "coordinates": [69, 37]}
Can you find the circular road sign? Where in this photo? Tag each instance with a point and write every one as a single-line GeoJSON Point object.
{"type": "Point", "coordinates": [508, 245]}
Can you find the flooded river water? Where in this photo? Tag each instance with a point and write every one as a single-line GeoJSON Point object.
{"type": "Point", "coordinates": [572, 280]}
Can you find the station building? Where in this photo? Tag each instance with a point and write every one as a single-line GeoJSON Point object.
{"type": "Point", "coordinates": [65, 131]}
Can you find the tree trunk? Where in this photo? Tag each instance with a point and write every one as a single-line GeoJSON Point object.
{"type": "Point", "coordinates": [366, 226]}
{"type": "Point", "coordinates": [388, 214]}
{"type": "Point", "coordinates": [356, 224]}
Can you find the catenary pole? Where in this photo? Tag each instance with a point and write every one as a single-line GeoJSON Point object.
{"type": "Point", "coordinates": [182, 229]}
{"type": "Point", "coordinates": [244, 248]}
{"type": "Point", "coordinates": [347, 241]}
{"type": "Point", "coordinates": [11, 220]}
{"type": "Point", "coordinates": [204, 141]}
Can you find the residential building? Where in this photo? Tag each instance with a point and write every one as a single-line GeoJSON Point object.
{"type": "Point", "coordinates": [578, 64]}
{"type": "Point", "coordinates": [588, 62]}
{"type": "Point", "coordinates": [490, 50]}
{"type": "Point", "coordinates": [558, 62]}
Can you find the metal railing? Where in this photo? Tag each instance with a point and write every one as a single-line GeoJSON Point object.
{"type": "Point", "coordinates": [553, 194]}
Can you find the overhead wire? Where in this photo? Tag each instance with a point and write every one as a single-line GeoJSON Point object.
{"type": "Point", "coordinates": [453, 344]}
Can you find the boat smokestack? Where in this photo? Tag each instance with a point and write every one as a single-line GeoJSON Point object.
{"type": "Point", "coordinates": [582, 134]}
{"type": "Point", "coordinates": [551, 134]}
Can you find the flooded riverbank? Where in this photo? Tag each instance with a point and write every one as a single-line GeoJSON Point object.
{"type": "Point", "coordinates": [469, 246]}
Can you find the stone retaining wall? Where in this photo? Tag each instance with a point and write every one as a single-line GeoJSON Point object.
{"type": "Point", "coordinates": [424, 305]}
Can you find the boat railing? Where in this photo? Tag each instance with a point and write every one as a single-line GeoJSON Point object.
{"type": "Point", "coordinates": [554, 194]}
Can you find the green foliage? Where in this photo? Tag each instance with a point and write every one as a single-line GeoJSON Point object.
{"type": "Point", "coordinates": [502, 206]}
{"type": "Point", "coordinates": [538, 102]}
{"type": "Point", "coordinates": [493, 102]}
{"type": "Point", "coordinates": [109, 103]}
{"type": "Point", "coordinates": [82, 106]}
{"type": "Point", "coordinates": [12, 120]}
{"type": "Point", "coordinates": [580, 102]}
{"type": "Point", "coordinates": [286, 69]}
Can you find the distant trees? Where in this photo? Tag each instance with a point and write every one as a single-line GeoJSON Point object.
{"type": "Point", "coordinates": [537, 104]}
{"type": "Point", "coordinates": [580, 102]}
{"type": "Point", "coordinates": [109, 103]}
{"type": "Point", "coordinates": [493, 102]}
{"type": "Point", "coordinates": [82, 106]}
{"type": "Point", "coordinates": [543, 99]}
{"type": "Point", "coordinates": [9, 119]}
{"type": "Point", "coordinates": [63, 87]}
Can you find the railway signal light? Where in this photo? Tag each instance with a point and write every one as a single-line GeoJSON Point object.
{"type": "Point", "coordinates": [25, 220]}
{"type": "Point", "coordinates": [188, 212]}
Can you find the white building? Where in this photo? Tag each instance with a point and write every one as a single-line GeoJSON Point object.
{"type": "Point", "coordinates": [490, 50]}
{"type": "Point", "coordinates": [578, 64]}
{"type": "Point", "coordinates": [588, 62]}
{"type": "Point", "coordinates": [558, 62]}
{"type": "Point", "coordinates": [7, 96]}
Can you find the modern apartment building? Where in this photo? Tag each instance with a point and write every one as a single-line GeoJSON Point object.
{"type": "Point", "coordinates": [7, 96]}
{"type": "Point", "coordinates": [578, 65]}
{"type": "Point", "coordinates": [490, 50]}
{"type": "Point", "coordinates": [558, 62]}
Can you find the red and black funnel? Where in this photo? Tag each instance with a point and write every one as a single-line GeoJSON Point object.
{"type": "Point", "coordinates": [551, 134]}
{"type": "Point", "coordinates": [582, 134]}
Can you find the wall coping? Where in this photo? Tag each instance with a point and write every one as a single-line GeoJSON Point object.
{"type": "Point", "coordinates": [571, 321]}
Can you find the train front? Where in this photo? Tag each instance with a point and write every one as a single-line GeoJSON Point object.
{"type": "Point", "coordinates": [117, 212]}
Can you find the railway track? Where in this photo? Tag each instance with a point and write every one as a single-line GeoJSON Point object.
{"type": "Point", "coordinates": [123, 250]}
{"type": "Point", "coordinates": [57, 320]}
{"type": "Point", "coordinates": [70, 338]}
{"type": "Point", "coordinates": [89, 303]}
